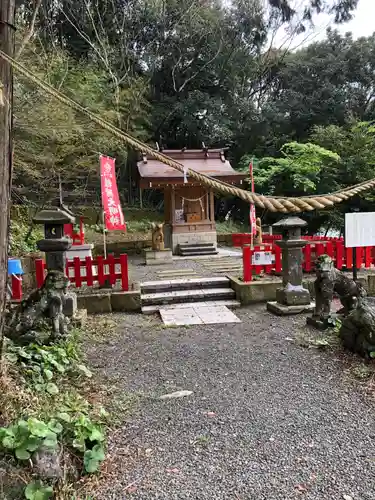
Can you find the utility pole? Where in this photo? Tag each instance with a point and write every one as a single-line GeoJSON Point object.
{"type": "Point", "coordinates": [7, 42]}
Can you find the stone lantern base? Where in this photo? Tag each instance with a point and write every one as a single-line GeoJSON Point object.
{"type": "Point", "coordinates": [292, 298]}
{"type": "Point", "coordinates": [285, 310]}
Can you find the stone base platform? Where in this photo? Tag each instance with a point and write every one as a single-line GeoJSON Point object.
{"type": "Point", "coordinates": [158, 257]}
{"type": "Point", "coordinates": [284, 310]}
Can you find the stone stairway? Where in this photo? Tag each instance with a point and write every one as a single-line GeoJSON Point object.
{"type": "Point", "coordinates": [184, 293]}
{"type": "Point", "coordinates": [194, 249]}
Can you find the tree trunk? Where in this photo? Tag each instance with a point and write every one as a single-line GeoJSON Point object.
{"type": "Point", "coordinates": [7, 38]}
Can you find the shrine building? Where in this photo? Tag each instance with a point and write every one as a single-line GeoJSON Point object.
{"type": "Point", "coordinates": [189, 208]}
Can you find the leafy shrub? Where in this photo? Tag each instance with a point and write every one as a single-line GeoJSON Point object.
{"type": "Point", "coordinates": [23, 237]}
{"type": "Point", "coordinates": [85, 436]}
{"type": "Point", "coordinates": [69, 421]}
{"type": "Point", "coordinates": [26, 436]}
{"type": "Point", "coordinates": [38, 491]}
{"type": "Point", "coordinates": [40, 365]}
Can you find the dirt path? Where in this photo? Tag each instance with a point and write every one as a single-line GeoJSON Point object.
{"type": "Point", "coordinates": [267, 419]}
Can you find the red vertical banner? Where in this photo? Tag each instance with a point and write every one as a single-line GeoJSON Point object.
{"type": "Point", "coordinates": [253, 217]}
{"type": "Point", "coordinates": [113, 216]}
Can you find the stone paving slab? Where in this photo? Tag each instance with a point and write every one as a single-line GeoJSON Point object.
{"type": "Point", "coordinates": [233, 304]}
{"type": "Point", "coordinates": [184, 281]}
{"type": "Point", "coordinates": [198, 315]}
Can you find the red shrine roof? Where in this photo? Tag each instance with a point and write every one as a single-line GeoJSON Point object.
{"type": "Point", "coordinates": [210, 162]}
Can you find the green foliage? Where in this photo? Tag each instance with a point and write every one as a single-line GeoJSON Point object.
{"type": "Point", "coordinates": [64, 142]}
{"type": "Point", "coordinates": [300, 170]}
{"type": "Point", "coordinates": [38, 491]}
{"type": "Point", "coordinates": [23, 236]}
{"type": "Point", "coordinates": [181, 73]}
{"type": "Point", "coordinates": [84, 436]}
{"type": "Point", "coordinates": [355, 145]}
{"type": "Point", "coordinates": [42, 366]}
{"type": "Point", "coordinates": [27, 436]}
{"type": "Point", "coordinates": [58, 416]}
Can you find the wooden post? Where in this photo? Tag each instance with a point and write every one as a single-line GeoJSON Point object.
{"type": "Point", "coordinates": [7, 40]}
{"type": "Point", "coordinates": [212, 206]}
{"type": "Point", "coordinates": [173, 205]}
{"type": "Point", "coordinates": [207, 206]}
{"type": "Point", "coordinates": [140, 198]}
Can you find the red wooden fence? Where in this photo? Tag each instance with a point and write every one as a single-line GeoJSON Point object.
{"type": "Point", "coordinates": [241, 239]}
{"type": "Point", "coordinates": [342, 257]}
{"type": "Point", "coordinates": [98, 270]}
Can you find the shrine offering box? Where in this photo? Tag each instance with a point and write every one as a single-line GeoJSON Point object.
{"type": "Point", "coordinates": [193, 217]}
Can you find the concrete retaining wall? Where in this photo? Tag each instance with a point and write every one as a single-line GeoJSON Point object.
{"type": "Point", "coordinates": [107, 302]}
{"type": "Point", "coordinates": [255, 291]}
{"type": "Point", "coordinates": [263, 290]}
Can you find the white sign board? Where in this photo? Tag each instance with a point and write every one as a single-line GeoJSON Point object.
{"type": "Point", "coordinates": [262, 258]}
{"type": "Point", "coordinates": [360, 229]}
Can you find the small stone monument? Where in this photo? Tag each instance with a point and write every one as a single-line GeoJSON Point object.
{"type": "Point", "coordinates": [158, 254]}
{"type": "Point", "coordinates": [292, 298]}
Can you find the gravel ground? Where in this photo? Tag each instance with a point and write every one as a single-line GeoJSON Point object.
{"type": "Point", "coordinates": [267, 419]}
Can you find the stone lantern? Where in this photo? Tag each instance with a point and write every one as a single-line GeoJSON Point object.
{"type": "Point", "coordinates": [292, 298]}
{"type": "Point", "coordinates": [55, 244]}
{"type": "Point", "coordinates": [42, 316]}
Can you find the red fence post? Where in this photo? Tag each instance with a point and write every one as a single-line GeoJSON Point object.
{"type": "Point", "coordinates": [100, 262]}
{"type": "Point", "coordinates": [124, 272]}
{"type": "Point", "coordinates": [307, 267]}
{"type": "Point", "coordinates": [349, 258]}
{"type": "Point", "coordinates": [89, 273]}
{"type": "Point", "coordinates": [368, 257]}
{"type": "Point", "coordinates": [39, 272]}
{"type": "Point", "coordinates": [247, 265]}
{"type": "Point", "coordinates": [111, 269]}
{"type": "Point", "coordinates": [16, 287]}
{"type": "Point", "coordinates": [359, 255]}
{"type": "Point", "coordinates": [339, 254]}
{"type": "Point", "coordinates": [329, 249]}
{"type": "Point", "coordinates": [319, 249]}
{"type": "Point", "coordinates": [77, 272]}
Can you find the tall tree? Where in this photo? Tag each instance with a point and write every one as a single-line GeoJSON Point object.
{"type": "Point", "coordinates": [7, 38]}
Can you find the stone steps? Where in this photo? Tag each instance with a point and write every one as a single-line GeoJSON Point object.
{"type": "Point", "coordinates": [184, 284]}
{"type": "Point", "coordinates": [185, 292]}
{"type": "Point", "coordinates": [189, 250]}
{"type": "Point", "coordinates": [230, 304]}
{"type": "Point", "coordinates": [180, 296]}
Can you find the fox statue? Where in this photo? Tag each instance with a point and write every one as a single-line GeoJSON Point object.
{"type": "Point", "coordinates": [157, 236]}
